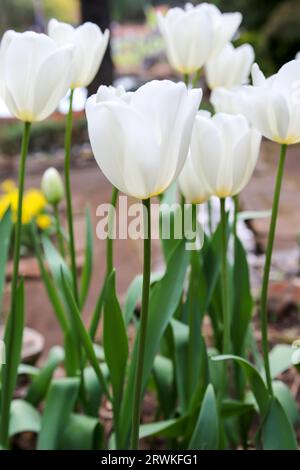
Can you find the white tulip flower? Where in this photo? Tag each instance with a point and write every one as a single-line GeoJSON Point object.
{"type": "Point", "coordinates": [230, 68]}
{"type": "Point", "coordinates": [140, 140]}
{"type": "Point", "coordinates": [297, 56]}
{"type": "Point", "coordinates": [272, 105]}
{"type": "Point", "coordinates": [193, 34]}
{"type": "Point", "coordinates": [90, 45]}
{"type": "Point", "coordinates": [227, 100]}
{"type": "Point", "coordinates": [34, 74]}
{"type": "Point", "coordinates": [192, 184]}
{"type": "Point", "coordinates": [224, 150]}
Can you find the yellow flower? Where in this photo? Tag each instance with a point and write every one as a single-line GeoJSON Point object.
{"type": "Point", "coordinates": [8, 186]}
{"type": "Point", "coordinates": [34, 202]}
{"type": "Point", "coordinates": [43, 221]}
{"type": "Point", "coordinates": [9, 200]}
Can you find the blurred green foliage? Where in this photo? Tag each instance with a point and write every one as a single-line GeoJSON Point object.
{"type": "Point", "coordinates": [20, 14]}
{"type": "Point", "coordinates": [45, 136]}
{"type": "Point", "coordinates": [122, 10]}
{"type": "Point", "coordinates": [280, 39]}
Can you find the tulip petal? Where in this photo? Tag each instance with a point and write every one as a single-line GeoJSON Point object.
{"type": "Point", "coordinates": [172, 110]}
{"type": "Point", "coordinates": [206, 149]}
{"type": "Point", "coordinates": [124, 147]}
{"type": "Point", "coordinates": [55, 82]}
{"type": "Point", "coordinates": [22, 60]}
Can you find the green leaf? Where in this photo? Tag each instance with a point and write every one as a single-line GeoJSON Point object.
{"type": "Point", "coordinates": [258, 386]}
{"type": "Point", "coordinates": [23, 418]}
{"type": "Point", "coordinates": [27, 369]}
{"type": "Point", "coordinates": [284, 396]}
{"type": "Point", "coordinates": [71, 361]}
{"type": "Point", "coordinates": [212, 294]}
{"type": "Point", "coordinates": [82, 433]}
{"type": "Point", "coordinates": [5, 234]}
{"type": "Point", "coordinates": [88, 259]}
{"type": "Point", "coordinates": [277, 431]}
{"type": "Point", "coordinates": [83, 334]}
{"type": "Point", "coordinates": [93, 392]}
{"type": "Point", "coordinates": [280, 359]}
{"type": "Point", "coordinates": [206, 432]}
{"type": "Point", "coordinates": [49, 284]}
{"type": "Point", "coordinates": [164, 300]}
{"type": "Point", "coordinates": [196, 299]}
{"type": "Point", "coordinates": [134, 294]}
{"type": "Point", "coordinates": [56, 264]}
{"type": "Point", "coordinates": [115, 342]}
{"type": "Point", "coordinates": [169, 429]}
{"type": "Point", "coordinates": [59, 405]}
{"type": "Point", "coordinates": [96, 316]}
{"type": "Point", "coordinates": [231, 408]}
{"type": "Point", "coordinates": [163, 372]}
{"type": "Point", "coordinates": [242, 299]}
{"type": "Point", "coordinates": [13, 339]}
{"type": "Point", "coordinates": [180, 339]}
{"type": "Point", "coordinates": [40, 383]}
{"type": "Point", "coordinates": [170, 217]}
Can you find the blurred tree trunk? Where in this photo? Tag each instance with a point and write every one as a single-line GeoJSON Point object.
{"type": "Point", "coordinates": [97, 11]}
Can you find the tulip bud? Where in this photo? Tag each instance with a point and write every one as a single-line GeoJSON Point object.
{"type": "Point", "coordinates": [52, 186]}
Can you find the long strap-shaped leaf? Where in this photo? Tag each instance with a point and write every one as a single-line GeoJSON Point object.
{"type": "Point", "coordinates": [5, 233]}
{"type": "Point", "coordinates": [277, 431]}
{"type": "Point", "coordinates": [88, 259]}
{"type": "Point", "coordinates": [59, 405]}
{"type": "Point", "coordinates": [164, 299]}
{"type": "Point", "coordinates": [40, 383]}
{"type": "Point", "coordinates": [206, 432]}
{"type": "Point", "coordinates": [83, 334]}
{"type": "Point", "coordinates": [256, 381]}
{"type": "Point", "coordinates": [13, 343]}
{"type": "Point", "coordinates": [115, 345]}
{"type": "Point", "coordinates": [50, 284]}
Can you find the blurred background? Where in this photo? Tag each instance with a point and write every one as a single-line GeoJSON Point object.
{"type": "Point", "coordinates": [136, 55]}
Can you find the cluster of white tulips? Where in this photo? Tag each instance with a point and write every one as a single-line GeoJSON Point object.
{"type": "Point", "coordinates": [144, 141]}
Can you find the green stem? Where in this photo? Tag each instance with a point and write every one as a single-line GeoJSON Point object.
{"type": "Point", "coordinates": [68, 140]}
{"type": "Point", "coordinates": [59, 234]}
{"type": "Point", "coordinates": [6, 393]}
{"type": "Point", "coordinates": [192, 313]}
{"type": "Point", "coordinates": [109, 241]}
{"type": "Point", "coordinates": [224, 280]}
{"type": "Point", "coordinates": [236, 210]}
{"type": "Point", "coordinates": [182, 206]}
{"type": "Point", "coordinates": [186, 79]}
{"type": "Point", "coordinates": [138, 387]}
{"type": "Point", "coordinates": [109, 264]}
{"type": "Point", "coordinates": [209, 216]}
{"type": "Point", "coordinates": [266, 275]}
{"type": "Point", "coordinates": [196, 78]}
